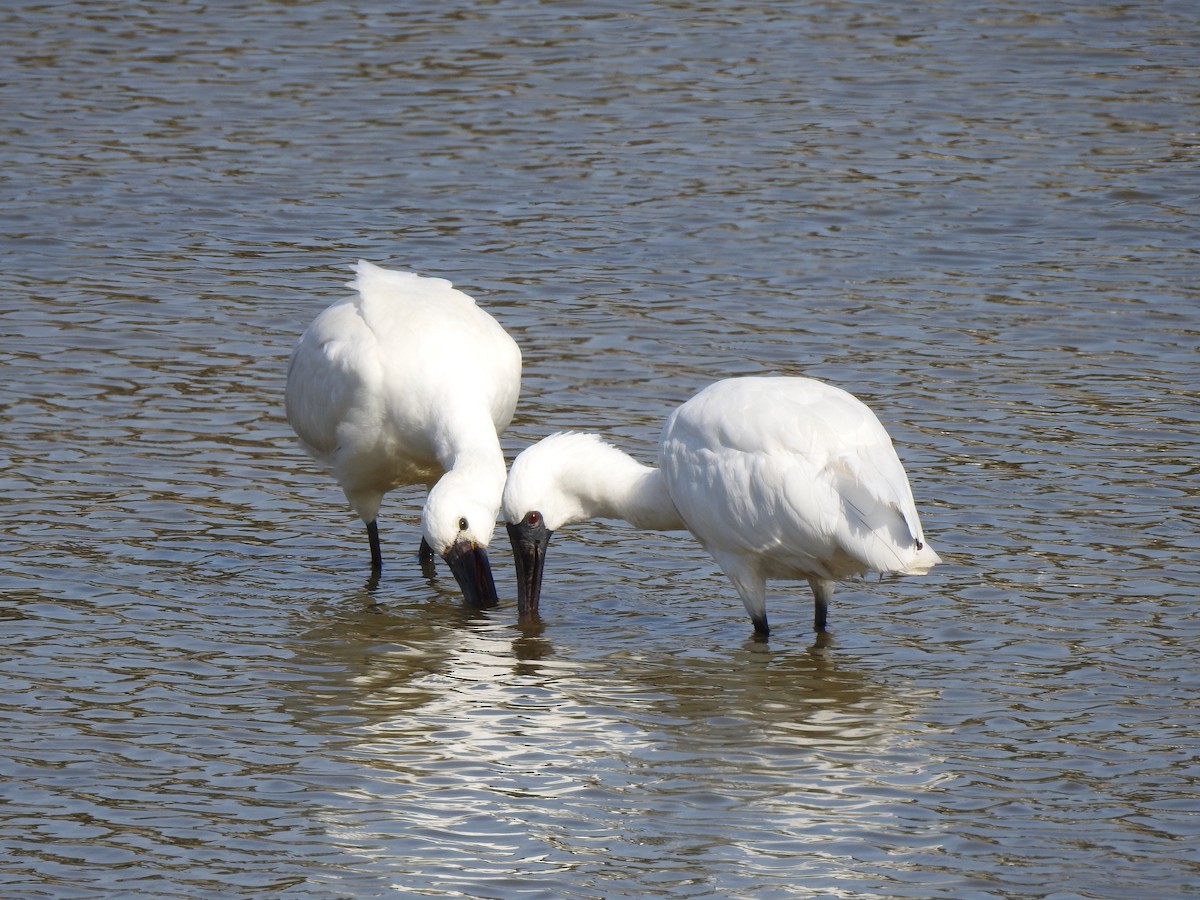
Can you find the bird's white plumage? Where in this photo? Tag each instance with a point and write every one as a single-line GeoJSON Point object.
{"type": "Point", "coordinates": [776, 477]}
{"type": "Point", "coordinates": [408, 382]}
{"type": "Point", "coordinates": [791, 478]}
{"type": "Point", "coordinates": [794, 472]}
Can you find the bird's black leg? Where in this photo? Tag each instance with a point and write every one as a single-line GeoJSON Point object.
{"type": "Point", "coordinates": [761, 629]}
{"type": "Point", "coordinates": [427, 557]}
{"type": "Point", "coordinates": [376, 553]}
{"type": "Point", "coordinates": [822, 592]}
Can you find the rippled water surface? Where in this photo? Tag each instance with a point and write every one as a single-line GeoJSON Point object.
{"type": "Point", "coordinates": [980, 218]}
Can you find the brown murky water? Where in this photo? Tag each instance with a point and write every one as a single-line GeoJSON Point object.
{"type": "Point", "coordinates": [982, 221]}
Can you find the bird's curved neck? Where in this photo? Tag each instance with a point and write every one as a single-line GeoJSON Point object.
{"type": "Point", "coordinates": [611, 484]}
{"type": "Point", "coordinates": [463, 433]}
{"type": "Point", "coordinates": [476, 450]}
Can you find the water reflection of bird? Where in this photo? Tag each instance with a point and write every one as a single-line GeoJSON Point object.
{"type": "Point", "coordinates": [776, 477]}
{"type": "Point", "coordinates": [408, 382]}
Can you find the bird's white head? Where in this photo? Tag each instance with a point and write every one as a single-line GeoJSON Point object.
{"type": "Point", "coordinates": [547, 487]}
{"type": "Point", "coordinates": [459, 509]}
{"type": "Point", "coordinates": [458, 521]}
{"type": "Point", "coordinates": [554, 479]}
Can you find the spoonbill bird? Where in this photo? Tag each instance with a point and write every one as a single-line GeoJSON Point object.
{"type": "Point", "coordinates": [408, 382]}
{"type": "Point", "coordinates": [777, 478]}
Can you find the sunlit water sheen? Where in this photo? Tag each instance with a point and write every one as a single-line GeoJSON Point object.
{"type": "Point", "coordinates": [981, 220]}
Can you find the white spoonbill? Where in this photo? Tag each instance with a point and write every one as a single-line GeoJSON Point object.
{"type": "Point", "coordinates": [408, 382]}
{"type": "Point", "coordinates": [777, 478]}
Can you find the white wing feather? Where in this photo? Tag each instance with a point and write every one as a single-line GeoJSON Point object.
{"type": "Point", "coordinates": [799, 474]}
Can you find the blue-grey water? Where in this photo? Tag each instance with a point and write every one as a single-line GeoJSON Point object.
{"type": "Point", "coordinates": [983, 219]}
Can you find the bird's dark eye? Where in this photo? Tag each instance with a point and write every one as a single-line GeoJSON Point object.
{"type": "Point", "coordinates": [462, 524]}
{"type": "Point", "coordinates": [532, 518]}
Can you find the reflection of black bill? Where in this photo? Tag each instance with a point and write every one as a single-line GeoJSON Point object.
{"type": "Point", "coordinates": [529, 544]}
{"type": "Point", "coordinates": [469, 563]}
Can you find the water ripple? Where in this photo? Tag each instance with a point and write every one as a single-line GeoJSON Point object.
{"type": "Point", "coordinates": [975, 219]}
